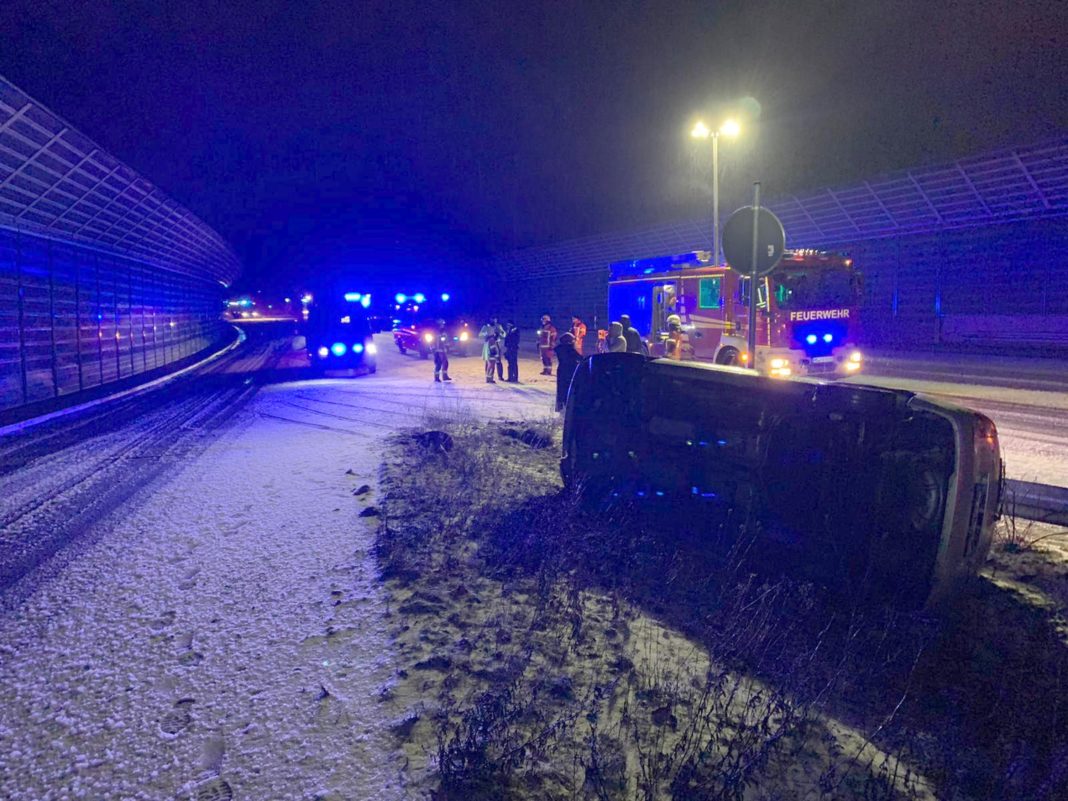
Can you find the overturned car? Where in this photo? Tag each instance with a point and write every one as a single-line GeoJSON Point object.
{"type": "Point", "coordinates": [867, 488]}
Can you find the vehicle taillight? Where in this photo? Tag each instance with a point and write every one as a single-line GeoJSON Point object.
{"type": "Point", "coordinates": [986, 433]}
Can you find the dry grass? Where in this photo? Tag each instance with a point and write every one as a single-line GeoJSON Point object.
{"type": "Point", "coordinates": [556, 653]}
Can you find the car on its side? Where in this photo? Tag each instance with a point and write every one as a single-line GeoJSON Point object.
{"type": "Point", "coordinates": [872, 490]}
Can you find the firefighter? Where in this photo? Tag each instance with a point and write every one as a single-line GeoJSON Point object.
{"type": "Point", "coordinates": [511, 353]}
{"type": "Point", "coordinates": [546, 343]}
{"type": "Point", "coordinates": [674, 337]}
{"type": "Point", "coordinates": [567, 361]}
{"type": "Point", "coordinates": [634, 339]}
{"type": "Point", "coordinates": [578, 330]}
{"type": "Point", "coordinates": [441, 354]}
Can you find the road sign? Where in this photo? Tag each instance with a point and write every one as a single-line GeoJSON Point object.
{"type": "Point", "coordinates": [738, 241]}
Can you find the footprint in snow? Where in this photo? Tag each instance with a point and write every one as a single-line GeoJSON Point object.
{"type": "Point", "coordinates": [164, 620]}
{"type": "Point", "coordinates": [189, 579]}
{"type": "Point", "coordinates": [216, 789]}
{"type": "Point", "coordinates": [190, 658]}
{"type": "Point", "coordinates": [177, 718]}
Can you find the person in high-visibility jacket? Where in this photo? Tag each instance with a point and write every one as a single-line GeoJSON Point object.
{"type": "Point", "coordinates": [578, 331]}
{"type": "Point", "coordinates": [674, 337]}
{"type": "Point", "coordinates": [441, 353]}
{"type": "Point", "coordinates": [546, 343]}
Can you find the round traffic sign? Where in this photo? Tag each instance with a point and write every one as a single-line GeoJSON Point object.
{"type": "Point", "coordinates": [738, 241]}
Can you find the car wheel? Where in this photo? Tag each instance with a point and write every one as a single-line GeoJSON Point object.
{"type": "Point", "coordinates": [728, 356]}
{"type": "Point", "coordinates": [401, 348]}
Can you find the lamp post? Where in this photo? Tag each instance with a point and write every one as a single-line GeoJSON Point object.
{"type": "Point", "coordinates": [729, 128]}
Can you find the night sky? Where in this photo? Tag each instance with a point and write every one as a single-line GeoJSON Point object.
{"type": "Point", "coordinates": [382, 134]}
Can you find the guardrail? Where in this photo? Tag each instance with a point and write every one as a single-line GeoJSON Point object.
{"type": "Point", "coordinates": [1039, 502]}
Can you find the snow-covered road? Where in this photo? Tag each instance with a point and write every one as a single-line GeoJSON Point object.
{"type": "Point", "coordinates": [217, 630]}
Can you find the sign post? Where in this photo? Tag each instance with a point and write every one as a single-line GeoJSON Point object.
{"type": "Point", "coordinates": [753, 244]}
{"type": "Point", "coordinates": [753, 294]}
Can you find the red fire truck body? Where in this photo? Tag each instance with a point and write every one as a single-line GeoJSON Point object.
{"type": "Point", "coordinates": [806, 311]}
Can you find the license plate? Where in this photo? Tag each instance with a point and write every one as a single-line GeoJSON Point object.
{"type": "Point", "coordinates": [822, 359]}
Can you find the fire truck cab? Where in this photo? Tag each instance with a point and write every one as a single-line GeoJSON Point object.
{"type": "Point", "coordinates": [806, 311]}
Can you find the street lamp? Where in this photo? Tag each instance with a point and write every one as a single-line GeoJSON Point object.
{"type": "Point", "coordinates": [729, 128]}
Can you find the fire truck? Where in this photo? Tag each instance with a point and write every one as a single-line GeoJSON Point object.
{"type": "Point", "coordinates": [806, 311]}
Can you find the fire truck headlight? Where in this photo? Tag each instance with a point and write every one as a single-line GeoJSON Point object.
{"type": "Point", "coordinates": [428, 337]}
{"type": "Point", "coordinates": [464, 336]}
{"type": "Point", "coordinates": [855, 356]}
{"type": "Point", "coordinates": [323, 352]}
{"type": "Point", "coordinates": [779, 364]}
{"type": "Point", "coordinates": [811, 339]}
{"type": "Point", "coordinates": [372, 349]}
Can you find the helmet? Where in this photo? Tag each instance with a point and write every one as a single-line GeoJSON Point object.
{"type": "Point", "coordinates": [546, 319]}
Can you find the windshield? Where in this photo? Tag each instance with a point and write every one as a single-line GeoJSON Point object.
{"type": "Point", "coordinates": [814, 289]}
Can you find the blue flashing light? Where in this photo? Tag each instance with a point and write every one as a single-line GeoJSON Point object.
{"type": "Point", "coordinates": [647, 271]}
{"type": "Point", "coordinates": [828, 337]}
{"type": "Point", "coordinates": [357, 348]}
{"type": "Point", "coordinates": [365, 301]}
{"type": "Point", "coordinates": [659, 493]}
{"type": "Point", "coordinates": [695, 491]}
{"type": "Point", "coordinates": [811, 339]}
{"type": "Point", "coordinates": [401, 297]}
{"type": "Point", "coordinates": [445, 297]}
{"type": "Point", "coordinates": [352, 297]}
{"type": "Point", "coordinates": [338, 348]}
{"type": "Point", "coordinates": [419, 297]}
{"type": "Point", "coordinates": [721, 442]}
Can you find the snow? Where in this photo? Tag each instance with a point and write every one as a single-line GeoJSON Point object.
{"type": "Point", "coordinates": [223, 632]}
